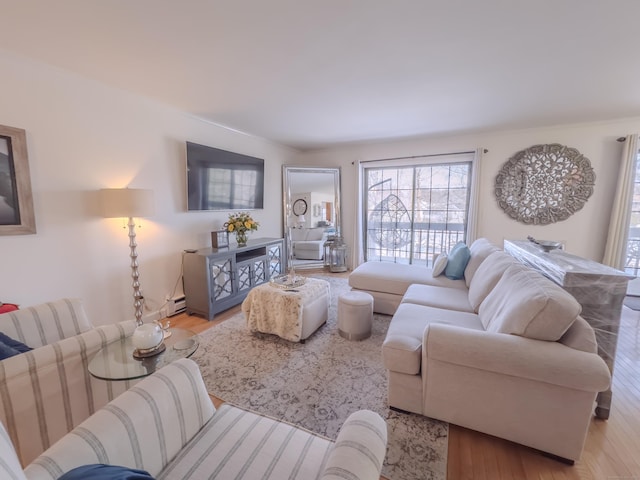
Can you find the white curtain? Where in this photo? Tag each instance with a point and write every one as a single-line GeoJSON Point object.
{"type": "Point", "coordinates": [472, 220]}
{"type": "Point", "coordinates": [356, 247]}
{"type": "Point", "coordinates": [621, 213]}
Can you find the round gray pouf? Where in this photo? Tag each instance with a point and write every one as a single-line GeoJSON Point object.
{"type": "Point", "coordinates": [355, 315]}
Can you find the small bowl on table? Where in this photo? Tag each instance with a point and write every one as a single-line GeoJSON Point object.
{"type": "Point", "coordinates": [548, 245]}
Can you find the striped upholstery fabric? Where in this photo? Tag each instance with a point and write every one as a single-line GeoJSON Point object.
{"type": "Point", "coordinates": [144, 427]}
{"type": "Point", "coordinates": [360, 448]}
{"type": "Point", "coordinates": [240, 444]}
{"type": "Point", "coordinates": [46, 392]}
{"type": "Point", "coordinates": [168, 426]}
{"type": "Point", "coordinates": [46, 323]}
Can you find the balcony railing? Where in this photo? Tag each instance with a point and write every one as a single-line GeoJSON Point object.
{"type": "Point", "coordinates": [632, 258]}
{"type": "Point", "coordinates": [400, 243]}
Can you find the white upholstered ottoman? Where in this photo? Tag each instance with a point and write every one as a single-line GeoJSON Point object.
{"type": "Point", "coordinates": [291, 314]}
{"type": "Point", "coordinates": [355, 315]}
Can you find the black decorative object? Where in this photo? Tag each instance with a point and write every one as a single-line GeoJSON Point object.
{"type": "Point", "coordinates": [544, 184]}
{"type": "Point", "coordinates": [299, 207]}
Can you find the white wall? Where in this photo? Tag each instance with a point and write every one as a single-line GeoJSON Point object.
{"type": "Point", "coordinates": [584, 232]}
{"type": "Point", "coordinates": [83, 136]}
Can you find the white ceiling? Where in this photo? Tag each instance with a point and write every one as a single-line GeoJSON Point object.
{"type": "Point", "coordinates": [312, 74]}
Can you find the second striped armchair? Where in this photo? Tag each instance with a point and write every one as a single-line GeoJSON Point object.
{"type": "Point", "coordinates": [168, 426]}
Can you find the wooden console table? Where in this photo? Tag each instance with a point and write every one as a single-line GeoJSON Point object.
{"type": "Point", "coordinates": [598, 288]}
{"type": "Point", "coordinates": [216, 279]}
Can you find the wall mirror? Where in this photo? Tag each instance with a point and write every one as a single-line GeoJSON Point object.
{"type": "Point", "coordinates": [311, 201]}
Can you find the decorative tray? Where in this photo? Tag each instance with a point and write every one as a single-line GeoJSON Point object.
{"type": "Point", "coordinates": [287, 281]}
{"type": "Point", "coordinates": [149, 352]}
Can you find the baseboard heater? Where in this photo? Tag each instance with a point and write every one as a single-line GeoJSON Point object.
{"type": "Point", "coordinates": [176, 305]}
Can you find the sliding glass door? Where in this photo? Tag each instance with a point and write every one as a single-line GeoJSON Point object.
{"type": "Point", "coordinates": [413, 211]}
{"type": "Point", "coordinates": [632, 258]}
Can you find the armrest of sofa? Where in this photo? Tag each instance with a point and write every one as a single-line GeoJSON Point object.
{"type": "Point", "coordinates": [512, 355]}
{"type": "Point", "coordinates": [46, 392]}
{"type": "Point", "coordinates": [143, 428]}
{"type": "Point", "coordinates": [359, 449]}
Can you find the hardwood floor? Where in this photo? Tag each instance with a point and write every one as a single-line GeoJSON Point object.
{"type": "Point", "coordinates": [612, 450]}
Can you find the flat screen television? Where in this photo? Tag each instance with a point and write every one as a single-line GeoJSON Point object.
{"type": "Point", "coordinates": [221, 180]}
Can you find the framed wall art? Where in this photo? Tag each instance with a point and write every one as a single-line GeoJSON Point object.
{"type": "Point", "coordinates": [544, 184]}
{"type": "Point", "coordinates": [219, 239]}
{"type": "Point", "coordinates": [16, 201]}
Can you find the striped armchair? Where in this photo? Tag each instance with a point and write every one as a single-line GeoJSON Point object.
{"type": "Point", "coordinates": [46, 392]}
{"type": "Point", "coordinates": [168, 426]}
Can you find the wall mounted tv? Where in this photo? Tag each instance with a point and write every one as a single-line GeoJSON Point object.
{"type": "Point", "coordinates": [221, 180]}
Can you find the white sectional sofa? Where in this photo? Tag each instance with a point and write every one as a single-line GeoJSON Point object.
{"type": "Point", "coordinates": [167, 426]}
{"type": "Point", "coordinates": [502, 351]}
{"type": "Point", "coordinates": [388, 282]}
{"type": "Point", "coordinates": [47, 391]}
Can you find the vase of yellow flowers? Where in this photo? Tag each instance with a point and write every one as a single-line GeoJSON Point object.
{"type": "Point", "coordinates": [240, 224]}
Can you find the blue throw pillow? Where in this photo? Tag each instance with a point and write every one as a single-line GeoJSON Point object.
{"type": "Point", "coordinates": [101, 471]}
{"type": "Point", "coordinates": [19, 346]}
{"type": "Point", "coordinates": [457, 261]}
{"type": "Point", "coordinates": [7, 351]}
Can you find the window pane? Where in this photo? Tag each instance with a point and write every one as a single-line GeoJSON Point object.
{"type": "Point", "coordinates": [632, 259]}
{"type": "Point", "coordinates": [415, 211]}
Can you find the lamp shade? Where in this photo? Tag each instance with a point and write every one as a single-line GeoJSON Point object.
{"type": "Point", "coordinates": [126, 202]}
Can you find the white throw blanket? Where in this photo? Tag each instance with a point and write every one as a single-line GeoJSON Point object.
{"type": "Point", "coordinates": [270, 309]}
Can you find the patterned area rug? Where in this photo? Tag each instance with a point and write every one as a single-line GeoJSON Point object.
{"type": "Point", "coordinates": [317, 385]}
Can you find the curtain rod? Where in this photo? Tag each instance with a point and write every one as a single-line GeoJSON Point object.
{"type": "Point", "coordinates": [418, 156]}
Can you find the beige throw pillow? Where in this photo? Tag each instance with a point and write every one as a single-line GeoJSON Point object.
{"type": "Point", "coordinates": [487, 276]}
{"type": "Point", "coordinates": [480, 250]}
{"type": "Point", "coordinates": [439, 264]}
{"type": "Point", "coordinates": [525, 303]}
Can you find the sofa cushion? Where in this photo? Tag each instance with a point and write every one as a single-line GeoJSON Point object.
{"type": "Point", "coordinates": [439, 264]}
{"type": "Point", "coordinates": [487, 276]}
{"type": "Point", "coordinates": [480, 250]}
{"type": "Point", "coordinates": [267, 445]}
{"type": "Point", "coordinates": [308, 250]}
{"type": "Point", "coordinates": [457, 261]}
{"type": "Point", "coordinates": [402, 348]}
{"type": "Point", "coordinates": [298, 234]}
{"type": "Point", "coordinates": [438, 297]}
{"type": "Point", "coordinates": [395, 278]}
{"type": "Point", "coordinates": [525, 303]}
{"type": "Point", "coordinates": [315, 234]}
{"type": "Point", "coordinates": [580, 336]}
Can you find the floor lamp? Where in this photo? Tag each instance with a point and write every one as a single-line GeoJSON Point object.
{"type": "Point", "coordinates": [129, 203]}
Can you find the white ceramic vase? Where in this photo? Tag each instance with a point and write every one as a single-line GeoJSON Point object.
{"type": "Point", "coordinates": [147, 336]}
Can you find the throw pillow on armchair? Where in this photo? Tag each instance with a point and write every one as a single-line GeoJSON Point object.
{"type": "Point", "coordinates": [8, 307]}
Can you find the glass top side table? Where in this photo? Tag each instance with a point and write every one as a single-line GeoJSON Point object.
{"type": "Point", "coordinates": [116, 362]}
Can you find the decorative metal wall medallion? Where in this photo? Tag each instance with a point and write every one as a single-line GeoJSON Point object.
{"type": "Point", "coordinates": [544, 184]}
